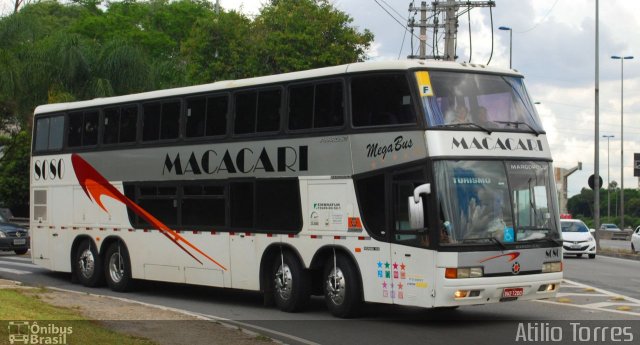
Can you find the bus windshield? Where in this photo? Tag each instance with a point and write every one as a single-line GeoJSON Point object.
{"type": "Point", "coordinates": [484, 201]}
{"type": "Point", "coordinates": [487, 101]}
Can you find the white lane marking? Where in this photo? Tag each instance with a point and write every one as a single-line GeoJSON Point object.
{"type": "Point", "coordinates": [205, 317]}
{"type": "Point", "coordinates": [17, 264]}
{"type": "Point", "coordinates": [619, 259]}
{"type": "Point", "coordinates": [613, 294]}
{"type": "Point", "coordinates": [14, 258]}
{"type": "Point", "coordinates": [10, 270]}
{"type": "Point", "coordinates": [598, 306]}
{"type": "Point", "coordinates": [590, 308]}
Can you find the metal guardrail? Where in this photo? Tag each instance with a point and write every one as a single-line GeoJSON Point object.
{"type": "Point", "coordinates": [624, 235]}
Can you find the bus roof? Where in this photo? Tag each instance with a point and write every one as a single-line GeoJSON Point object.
{"type": "Point", "coordinates": [276, 78]}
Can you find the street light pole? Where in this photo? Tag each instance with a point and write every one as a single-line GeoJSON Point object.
{"type": "Point", "coordinates": [510, 42]}
{"type": "Point", "coordinates": [608, 174]}
{"type": "Point", "coordinates": [622, 58]}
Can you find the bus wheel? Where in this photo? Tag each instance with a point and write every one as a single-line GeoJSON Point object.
{"type": "Point", "coordinates": [341, 287]}
{"type": "Point", "coordinates": [118, 268]}
{"type": "Point", "coordinates": [291, 289]}
{"type": "Point", "coordinates": [88, 265]}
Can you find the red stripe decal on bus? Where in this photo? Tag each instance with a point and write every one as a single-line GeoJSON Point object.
{"type": "Point", "coordinates": [269, 235]}
{"type": "Point", "coordinates": [361, 238]}
{"type": "Point", "coordinates": [291, 235]}
{"type": "Point", "coordinates": [247, 234]}
{"type": "Point", "coordinates": [314, 236]}
{"type": "Point", "coordinates": [96, 186]}
{"type": "Point", "coordinates": [336, 237]}
{"type": "Point", "coordinates": [232, 234]}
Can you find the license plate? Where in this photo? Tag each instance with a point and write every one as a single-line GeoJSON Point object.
{"type": "Point", "coordinates": [513, 292]}
{"type": "Point", "coordinates": [20, 241]}
{"type": "Point", "coordinates": [576, 246]}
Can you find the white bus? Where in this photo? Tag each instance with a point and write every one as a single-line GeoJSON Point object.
{"type": "Point", "coordinates": [414, 183]}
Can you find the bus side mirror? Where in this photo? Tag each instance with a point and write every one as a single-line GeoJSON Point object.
{"type": "Point", "coordinates": [416, 209]}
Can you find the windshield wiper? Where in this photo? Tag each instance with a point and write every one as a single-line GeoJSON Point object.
{"type": "Point", "coordinates": [546, 239]}
{"type": "Point", "coordinates": [456, 125]}
{"type": "Point", "coordinates": [517, 123]}
{"type": "Point", "coordinates": [492, 239]}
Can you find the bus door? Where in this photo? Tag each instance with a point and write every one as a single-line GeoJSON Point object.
{"type": "Point", "coordinates": [413, 263]}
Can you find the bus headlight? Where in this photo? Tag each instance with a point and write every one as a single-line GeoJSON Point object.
{"type": "Point", "coordinates": [549, 267]}
{"type": "Point", "coordinates": [466, 272]}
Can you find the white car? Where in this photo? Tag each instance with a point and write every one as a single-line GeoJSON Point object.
{"type": "Point", "coordinates": [577, 239]}
{"type": "Point", "coordinates": [635, 240]}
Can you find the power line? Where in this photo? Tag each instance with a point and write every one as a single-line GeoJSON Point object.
{"type": "Point", "coordinates": [541, 20]}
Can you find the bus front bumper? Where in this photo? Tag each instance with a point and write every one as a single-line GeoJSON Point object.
{"type": "Point", "coordinates": [470, 291]}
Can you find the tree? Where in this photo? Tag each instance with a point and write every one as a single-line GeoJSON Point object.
{"type": "Point", "coordinates": [14, 172]}
{"type": "Point", "coordinates": [219, 48]}
{"type": "Point", "coordinates": [293, 35]}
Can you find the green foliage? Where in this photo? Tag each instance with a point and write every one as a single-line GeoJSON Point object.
{"type": "Point", "coordinates": [14, 172]}
{"type": "Point", "coordinates": [581, 206]}
{"type": "Point", "coordinates": [52, 52]}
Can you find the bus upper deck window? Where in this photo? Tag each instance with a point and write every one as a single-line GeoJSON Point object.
{"type": "Point", "coordinates": [381, 100]}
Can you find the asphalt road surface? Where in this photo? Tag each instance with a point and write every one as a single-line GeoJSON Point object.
{"type": "Point", "coordinates": [602, 289]}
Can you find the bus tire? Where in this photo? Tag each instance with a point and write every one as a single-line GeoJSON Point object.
{"type": "Point", "coordinates": [291, 283]}
{"type": "Point", "coordinates": [88, 265]}
{"type": "Point", "coordinates": [342, 292]}
{"type": "Point", "coordinates": [117, 268]}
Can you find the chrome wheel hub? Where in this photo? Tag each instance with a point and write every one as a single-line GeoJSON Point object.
{"type": "Point", "coordinates": [116, 268]}
{"type": "Point", "coordinates": [336, 286]}
{"type": "Point", "coordinates": [283, 282]}
{"type": "Point", "coordinates": [87, 263]}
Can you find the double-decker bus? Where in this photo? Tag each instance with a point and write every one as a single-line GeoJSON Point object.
{"type": "Point", "coordinates": [409, 182]}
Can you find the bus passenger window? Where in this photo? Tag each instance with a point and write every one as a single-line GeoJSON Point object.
{"type": "Point", "coordinates": [56, 130]}
{"type": "Point", "coordinates": [217, 115]}
{"type": "Point", "coordinates": [300, 107]}
{"type": "Point", "coordinates": [74, 132]}
{"type": "Point", "coordinates": [268, 111]}
{"type": "Point", "coordinates": [170, 121]}
{"type": "Point", "coordinates": [241, 204]}
{"type": "Point", "coordinates": [381, 100]}
{"type": "Point", "coordinates": [329, 106]}
{"type": "Point", "coordinates": [42, 134]}
{"type": "Point", "coordinates": [128, 124]}
{"type": "Point", "coordinates": [90, 129]}
{"type": "Point", "coordinates": [245, 112]}
{"type": "Point", "coordinates": [151, 122]}
{"type": "Point", "coordinates": [196, 109]}
{"type": "Point", "coordinates": [83, 129]}
{"type": "Point", "coordinates": [372, 200]}
{"type": "Point", "coordinates": [111, 126]}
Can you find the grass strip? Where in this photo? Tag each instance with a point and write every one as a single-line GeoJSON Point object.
{"type": "Point", "coordinates": [52, 322]}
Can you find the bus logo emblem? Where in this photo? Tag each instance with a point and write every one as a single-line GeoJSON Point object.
{"type": "Point", "coordinates": [515, 268]}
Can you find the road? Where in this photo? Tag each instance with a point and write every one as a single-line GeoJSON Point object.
{"type": "Point", "coordinates": [383, 324]}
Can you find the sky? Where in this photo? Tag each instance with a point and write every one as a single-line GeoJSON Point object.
{"type": "Point", "coordinates": [554, 47]}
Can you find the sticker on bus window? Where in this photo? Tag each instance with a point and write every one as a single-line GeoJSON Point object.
{"type": "Point", "coordinates": [508, 235]}
{"type": "Point", "coordinates": [424, 84]}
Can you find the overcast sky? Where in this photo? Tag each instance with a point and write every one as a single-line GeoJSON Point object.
{"type": "Point", "coordinates": [554, 46]}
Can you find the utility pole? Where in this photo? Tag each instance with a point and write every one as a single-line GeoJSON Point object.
{"type": "Point", "coordinates": [450, 9]}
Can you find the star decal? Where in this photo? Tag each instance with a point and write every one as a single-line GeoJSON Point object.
{"type": "Point", "coordinates": [402, 266]}
{"type": "Point", "coordinates": [384, 284]}
{"type": "Point", "coordinates": [395, 265]}
{"type": "Point", "coordinates": [386, 265]}
{"type": "Point", "coordinates": [400, 286]}
{"type": "Point", "coordinates": [379, 264]}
